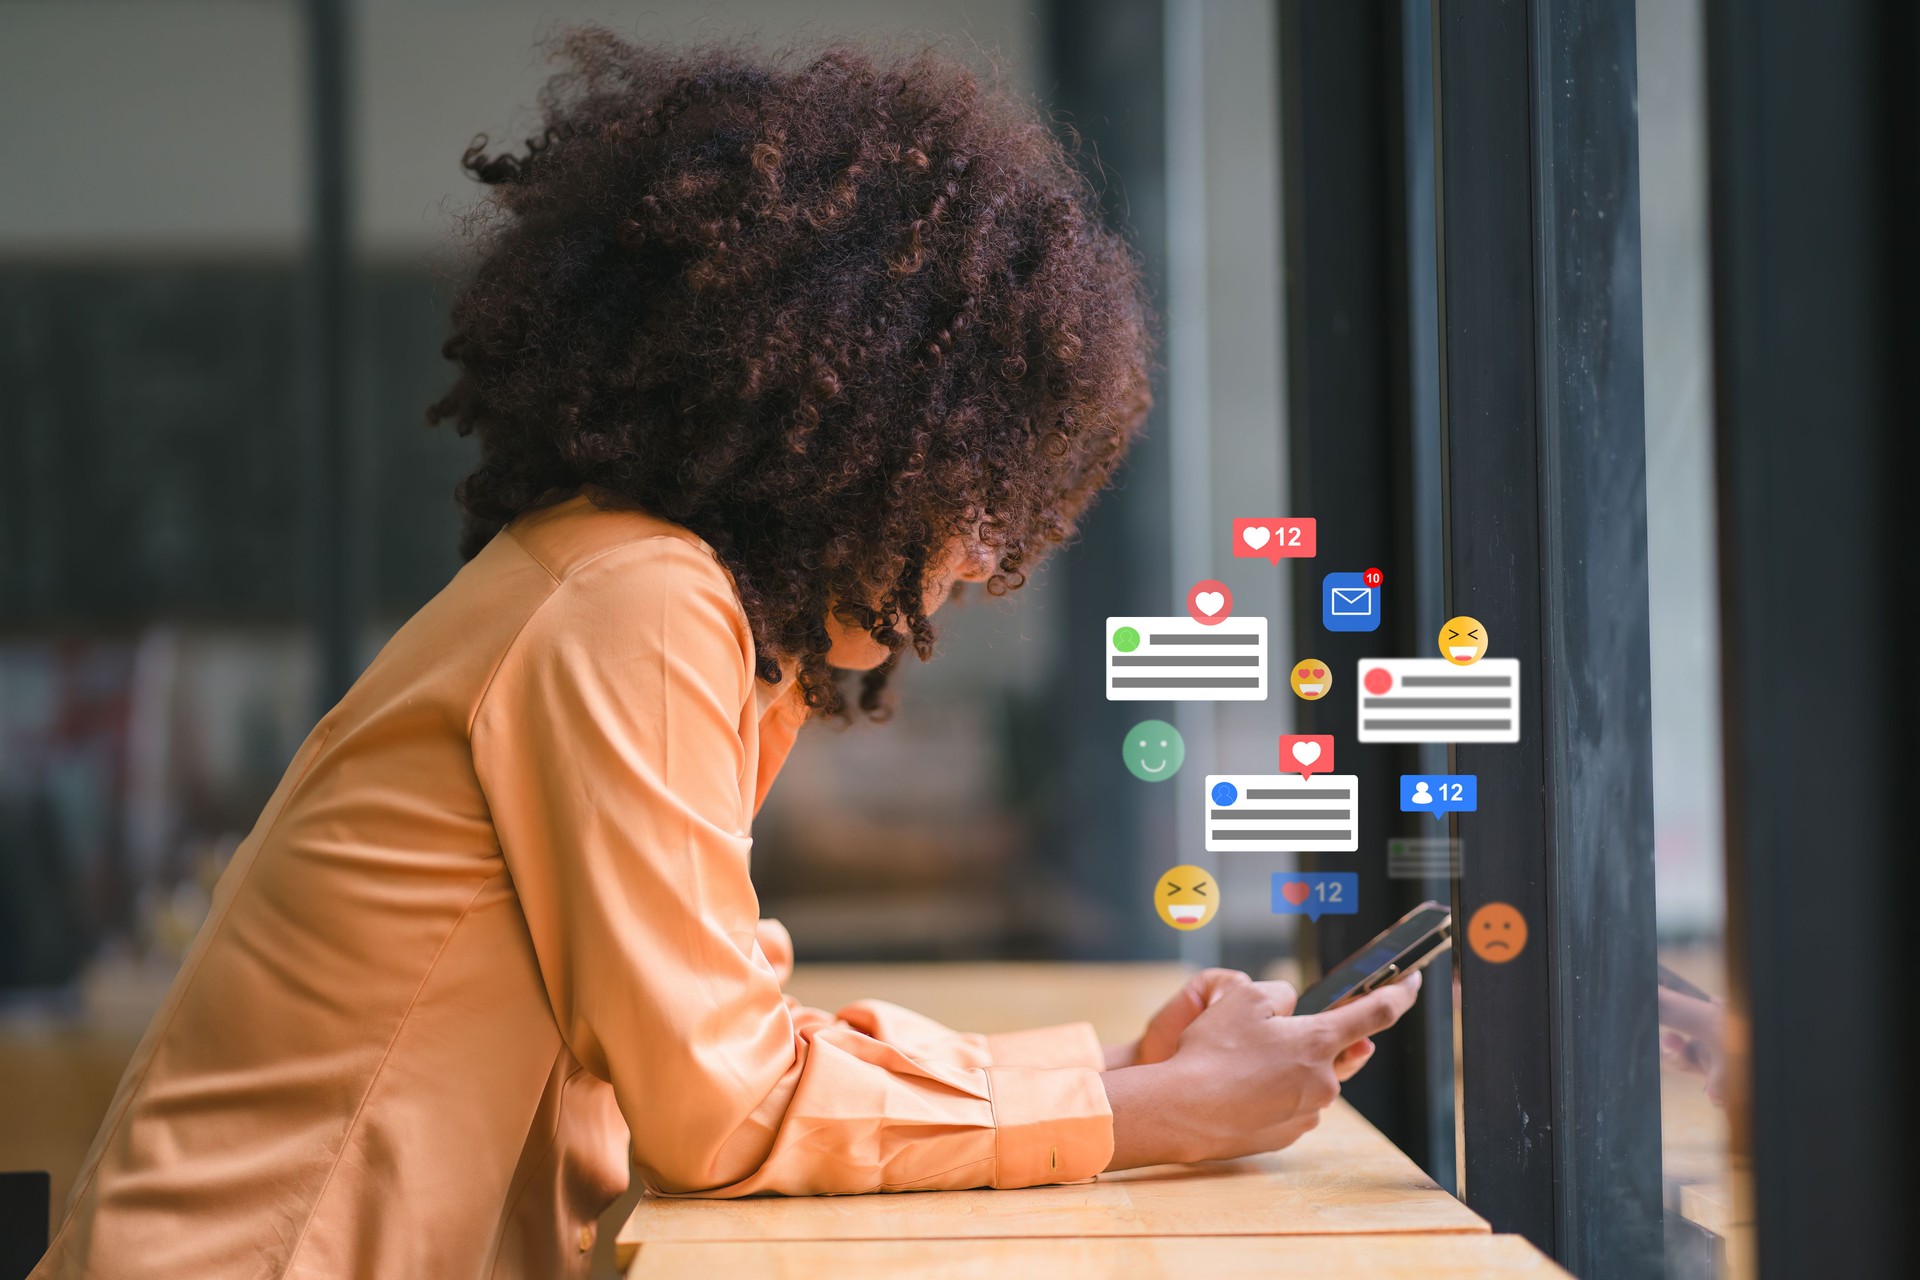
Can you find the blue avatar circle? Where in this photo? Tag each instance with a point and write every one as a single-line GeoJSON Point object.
{"type": "Point", "coordinates": [1225, 793]}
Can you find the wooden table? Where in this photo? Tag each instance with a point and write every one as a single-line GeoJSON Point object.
{"type": "Point", "coordinates": [1344, 1178]}
{"type": "Point", "coordinates": [1342, 1201]}
{"type": "Point", "coordinates": [1403, 1257]}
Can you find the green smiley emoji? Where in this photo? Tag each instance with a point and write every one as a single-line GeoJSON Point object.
{"type": "Point", "coordinates": [1153, 750]}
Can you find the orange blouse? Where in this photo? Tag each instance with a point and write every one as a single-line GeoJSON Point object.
{"type": "Point", "coordinates": [494, 933]}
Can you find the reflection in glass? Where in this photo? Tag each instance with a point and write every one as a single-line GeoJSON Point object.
{"type": "Point", "coordinates": [1709, 1226]}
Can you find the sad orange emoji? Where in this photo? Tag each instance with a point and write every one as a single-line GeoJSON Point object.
{"type": "Point", "coordinates": [1497, 933]}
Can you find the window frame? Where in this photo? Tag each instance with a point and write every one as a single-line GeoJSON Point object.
{"type": "Point", "coordinates": [1543, 459]}
{"type": "Point", "coordinates": [1813, 180]}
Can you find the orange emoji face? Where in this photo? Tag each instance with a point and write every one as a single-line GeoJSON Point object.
{"type": "Point", "coordinates": [1311, 678]}
{"type": "Point", "coordinates": [1185, 897]}
{"type": "Point", "coordinates": [1463, 641]}
{"type": "Point", "coordinates": [1497, 933]}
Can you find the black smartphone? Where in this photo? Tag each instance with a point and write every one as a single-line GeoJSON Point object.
{"type": "Point", "coordinates": [1674, 982]}
{"type": "Point", "coordinates": [1402, 947]}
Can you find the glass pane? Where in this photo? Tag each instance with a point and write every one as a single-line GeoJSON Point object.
{"type": "Point", "coordinates": [1709, 1233]}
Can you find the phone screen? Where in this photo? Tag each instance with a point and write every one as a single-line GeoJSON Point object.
{"type": "Point", "coordinates": [1352, 973]}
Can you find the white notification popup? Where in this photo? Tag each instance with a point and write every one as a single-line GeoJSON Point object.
{"type": "Point", "coordinates": [1283, 813]}
{"type": "Point", "coordinates": [1432, 700]}
{"type": "Point", "coordinates": [1180, 660]}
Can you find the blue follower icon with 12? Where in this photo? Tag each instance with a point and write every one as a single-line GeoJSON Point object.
{"type": "Point", "coordinates": [1439, 793]}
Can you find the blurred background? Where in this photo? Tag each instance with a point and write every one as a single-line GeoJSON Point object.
{"type": "Point", "coordinates": [226, 254]}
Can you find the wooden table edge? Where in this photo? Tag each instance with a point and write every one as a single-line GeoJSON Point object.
{"type": "Point", "coordinates": [872, 1256]}
{"type": "Point", "coordinates": [626, 1248]}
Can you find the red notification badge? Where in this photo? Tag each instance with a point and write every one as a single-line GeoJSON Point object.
{"type": "Point", "coordinates": [1276, 539]}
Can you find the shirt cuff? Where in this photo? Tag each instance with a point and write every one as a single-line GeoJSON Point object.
{"type": "Point", "coordinates": [1072, 1044]}
{"type": "Point", "coordinates": [1050, 1125]}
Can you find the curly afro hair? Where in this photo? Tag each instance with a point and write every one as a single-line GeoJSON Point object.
{"type": "Point", "coordinates": [839, 318]}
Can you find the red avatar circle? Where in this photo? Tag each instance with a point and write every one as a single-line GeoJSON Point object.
{"type": "Point", "coordinates": [1378, 680]}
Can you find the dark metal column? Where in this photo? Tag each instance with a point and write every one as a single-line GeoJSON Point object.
{"type": "Point", "coordinates": [1813, 124]}
{"type": "Point", "coordinates": [333, 532]}
{"type": "Point", "coordinates": [1544, 462]}
{"type": "Point", "coordinates": [1106, 70]}
{"type": "Point", "coordinates": [1347, 343]}
{"type": "Point", "coordinates": [1420, 376]}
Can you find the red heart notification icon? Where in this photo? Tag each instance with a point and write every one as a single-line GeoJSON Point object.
{"type": "Point", "coordinates": [1306, 753]}
{"type": "Point", "coordinates": [1295, 891]}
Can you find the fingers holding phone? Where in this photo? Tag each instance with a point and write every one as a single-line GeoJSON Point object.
{"type": "Point", "coordinates": [1694, 1037]}
{"type": "Point", "coordinates": [1249, 1066]}
{"type": "Point", "coordinates": [1246, 1075]}
{"type": "Point", "coordinates": [1351, 1059]}
{"type": "Point", "coordinates": [1372, 1013]}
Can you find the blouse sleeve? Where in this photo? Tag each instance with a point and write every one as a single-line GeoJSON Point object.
{"type": "Point", "coordinates": [611, 748]}
{"type": "Point", "coordinates": [776, 944]}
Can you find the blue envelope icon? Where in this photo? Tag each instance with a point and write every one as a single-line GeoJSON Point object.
{"type": "Point", "coordinates": [1347, 603]}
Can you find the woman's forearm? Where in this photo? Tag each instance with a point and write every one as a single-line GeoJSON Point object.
{"type": "Point", "coordinates": [1144, 1127]}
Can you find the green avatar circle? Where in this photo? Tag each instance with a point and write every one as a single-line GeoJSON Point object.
{"type": "Point", "coordinates": [1126, 639]}
{"type": "Point", "coordinates": [1153, 750]}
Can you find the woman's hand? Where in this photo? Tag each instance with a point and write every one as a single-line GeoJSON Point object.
{"type": "Point", "coordinates": [1163, 1031]}
{"type": "Point", "coordinates": [1243, 1076]}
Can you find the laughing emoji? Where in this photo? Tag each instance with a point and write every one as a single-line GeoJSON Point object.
{"type": "Point", "coordinates": [1186, 897]}
{"type": "Point", "coordinates": [1463, 641]}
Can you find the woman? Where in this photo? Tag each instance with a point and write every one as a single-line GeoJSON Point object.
{"type": "Point", "coordinates": [762, 362]}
